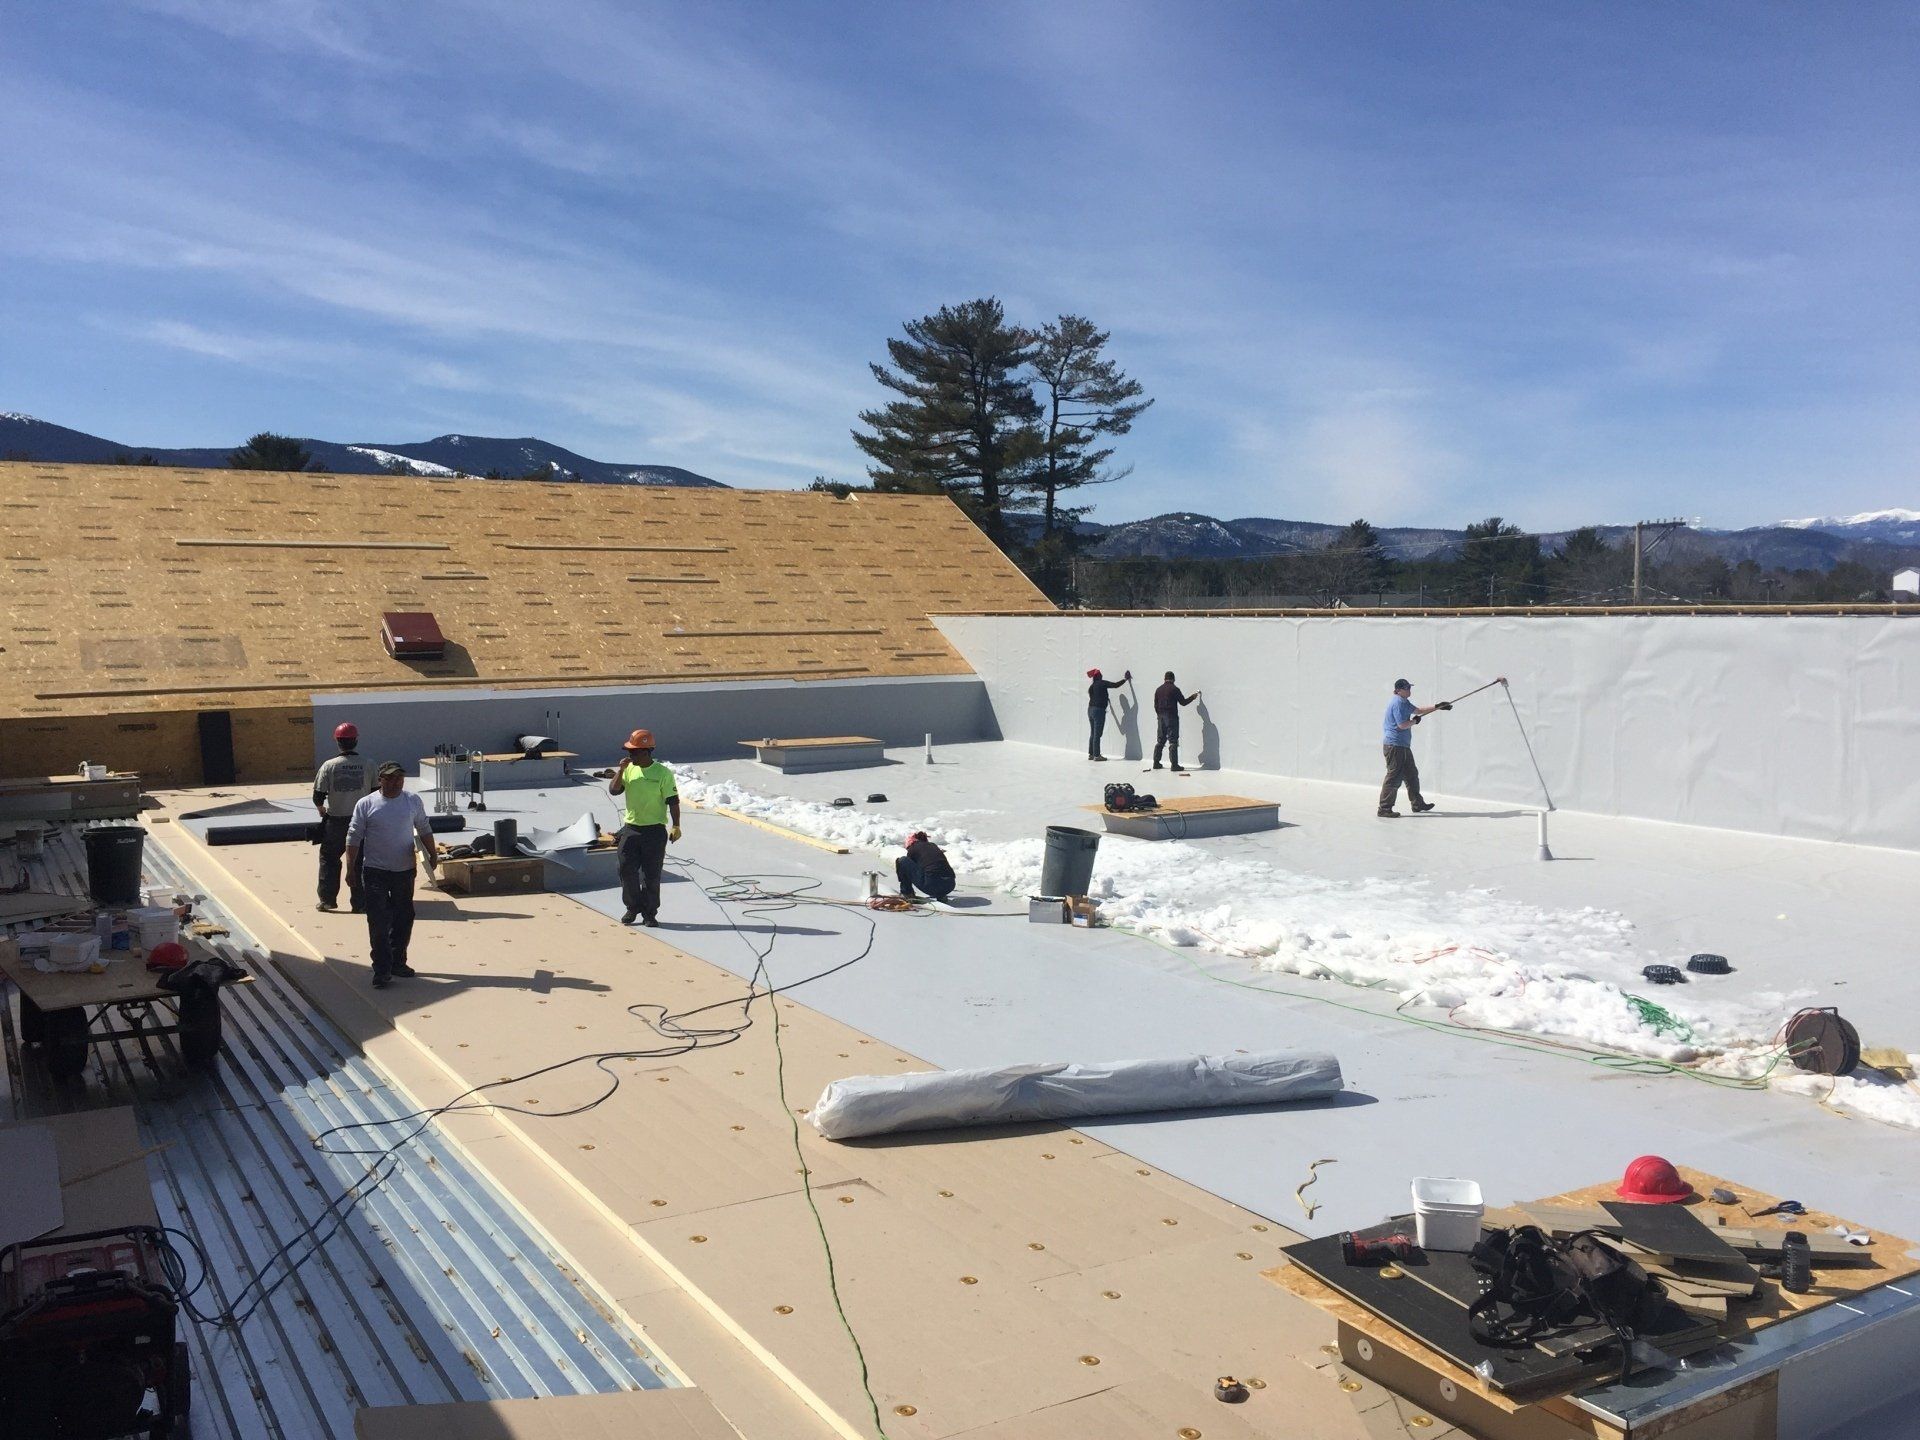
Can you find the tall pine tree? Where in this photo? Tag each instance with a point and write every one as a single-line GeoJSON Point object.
{"type": "Point", "coordinates": [1084, 397]}
{"type": "Point", "coordinates": [964, 422]}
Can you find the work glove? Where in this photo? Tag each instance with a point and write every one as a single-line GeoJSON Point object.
{"type": "Point", "coordinates": [673, 834]}
{"type": "Point", "coordinates": [1444, 705]}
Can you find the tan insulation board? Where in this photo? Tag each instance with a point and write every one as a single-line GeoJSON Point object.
{"type": "Point", "coordinates": [143, 589]}
{"type": "Point", "coordinates": [1040, 1221]}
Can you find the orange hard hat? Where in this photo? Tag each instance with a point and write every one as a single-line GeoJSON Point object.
{"type": "Point", "coordinates": [640, 740]}
{"type": "Point", "coordinates": [1651, 1180]}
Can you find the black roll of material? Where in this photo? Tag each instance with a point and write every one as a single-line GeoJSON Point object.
{"type": "Point", "coordinates": [506, 837]}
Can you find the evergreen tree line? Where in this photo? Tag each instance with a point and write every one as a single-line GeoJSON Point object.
{"type": "Point", "coordinates": [1495, 563]}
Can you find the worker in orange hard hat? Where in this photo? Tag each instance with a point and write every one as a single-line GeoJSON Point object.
{"type": "Point", "coordinates": [652, 798]}
{"type": "Point", "coordinates": [337, 788]}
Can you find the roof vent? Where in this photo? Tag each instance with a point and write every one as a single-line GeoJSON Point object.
{"type": "Point", "coordinates": [412, 635]}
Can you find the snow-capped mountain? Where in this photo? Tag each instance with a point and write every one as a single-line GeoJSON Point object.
{"type": "Point", "coordinates": [1890, 527]}
{"type": "Point", "coordinates": [22, 437]}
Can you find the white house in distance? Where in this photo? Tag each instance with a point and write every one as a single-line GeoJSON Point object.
{"type": "Point", "coordinates": [1907, 581]}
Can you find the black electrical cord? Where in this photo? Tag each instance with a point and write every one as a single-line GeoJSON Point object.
{"type": "Point", "coordinates": [747, 890]}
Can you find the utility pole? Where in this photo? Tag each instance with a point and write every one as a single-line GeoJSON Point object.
{"type": "Point", "coordinates": [1661, 529]}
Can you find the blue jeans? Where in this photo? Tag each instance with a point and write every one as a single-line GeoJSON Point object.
{"type": "Point", "coordinates": [389, 897]}
{"type": "Point", "coordinates": [911, 877]}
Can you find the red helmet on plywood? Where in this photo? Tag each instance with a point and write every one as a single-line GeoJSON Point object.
{"type": "Point", "coordinates": [1651, 1180]}
{"type": "Point", "coordinates": [167, 955]}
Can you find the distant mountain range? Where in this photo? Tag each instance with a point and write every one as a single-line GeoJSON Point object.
{"type": "Point", "coordinates": [23, 437]}
{"type": "Point", "coordinates": [1882, 539]}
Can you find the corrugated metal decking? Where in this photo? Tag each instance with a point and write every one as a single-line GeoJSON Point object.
{"type": "Point", "coordinates": [432, 1289]}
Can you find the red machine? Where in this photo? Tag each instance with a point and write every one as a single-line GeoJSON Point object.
{"type": "Point", "coordinates": [87, 1347]}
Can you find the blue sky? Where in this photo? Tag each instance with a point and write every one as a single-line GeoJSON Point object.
{"type": "Point", "coordinates": [1416, 262]}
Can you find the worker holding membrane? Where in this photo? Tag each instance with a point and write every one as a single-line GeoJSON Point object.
{"type": "Point", "coordinates": [381, 837]}
{"type": "Point", "coordinates": [1167, 701]}
{"type": "Point", "coordinates": [1097, 689]}
{"type": "Point", "coordinates": [652, 798]}
{"type": "Point", "coordinates": [339, 786]}
{"type": "Point", "coordinates": [923, 868]}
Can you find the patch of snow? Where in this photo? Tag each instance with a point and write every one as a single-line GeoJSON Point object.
{"type": "Point", "coordinates": [387, 457]}
{"type": "Point", "coordinates": [1486, 962]}
{"type": "Point", "coordinates": [16, 415]}
{"type": "Point", "coordinates": [1866, 517]}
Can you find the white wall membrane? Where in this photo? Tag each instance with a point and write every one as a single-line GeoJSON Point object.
{"type": "Point", "coordinates": [1785, 725]}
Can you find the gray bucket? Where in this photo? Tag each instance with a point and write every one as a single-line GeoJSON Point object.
{"type": "Point", "coordinates": [1068, 869]}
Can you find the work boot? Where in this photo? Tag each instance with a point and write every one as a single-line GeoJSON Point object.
{"type": "Point", "coordinates": [1421, 807]}
{"type": "Point", "coordinates": [326, 905]}
{"type": "Point", "coordinates": [1158, 766]}
{"type": "Point", "coordinates": [403, 971]}
{"type": "Point", "coordinates": [650, 920]}
{"type": "Point", "coordinates": [1388, 814]}
{"type": "Point", "coordinates": [629, 917]}
{"type": "Point", "coordinates": [1097, 757]}
{"type": "Point", "coordinates": [381, 982]}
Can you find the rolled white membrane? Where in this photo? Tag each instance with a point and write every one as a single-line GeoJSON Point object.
{"type": "Point", "coordinates": [947, 1099]}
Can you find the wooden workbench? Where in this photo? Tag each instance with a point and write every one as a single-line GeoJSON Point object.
{"type": "Point", "coordinates": [1192, 817]}
{"type": "Point", "coordinates": [820, 752]}
{"type": "Point", "coordinates": [1372, 1346]}
{"type": "Point", "coordinates": [58, 1009]}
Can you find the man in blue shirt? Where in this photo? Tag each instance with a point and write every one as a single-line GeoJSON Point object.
{"type": "Point", "coordinates": [1396, 736]}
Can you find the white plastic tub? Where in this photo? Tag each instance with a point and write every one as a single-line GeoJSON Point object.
{"type": "Point", "coordinates": [153, 925]}
{"type": "Point", "coordinates": [1447, 1213]}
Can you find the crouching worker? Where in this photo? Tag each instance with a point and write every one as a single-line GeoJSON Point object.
{"type": "Point", "coordinates": [924, 868]}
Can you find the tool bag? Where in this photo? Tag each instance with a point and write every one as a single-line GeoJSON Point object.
{"type": "Point", "coordinates": [1540, 1286]}
{"type": "Point", "coordinates": [1121, 797]}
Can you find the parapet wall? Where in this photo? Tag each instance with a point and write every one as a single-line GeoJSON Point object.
{"type": "Point", "coordinates": [1785, 725]}
{"type": "Point", "coordinates": [692, 722]}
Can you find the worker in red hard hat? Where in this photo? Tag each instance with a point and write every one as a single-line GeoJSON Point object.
{"type": "Point", "coordinates": [337, 788]}
{"type": "Point", "coordinates": [1097, 689]}
{"type": "Point", "coordinates": [923, 867]}
{"type": "Point", "coordinates": [652, 799]}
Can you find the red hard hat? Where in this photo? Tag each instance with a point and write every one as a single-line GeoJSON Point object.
{"type": "Point", "coordinates": [639, 740]}
{"type": "Point", "coordinates": [1653, 1181]}
{"type": "Point", "coordinates": [348, 731]}
{"type": "Point", "coordinates": [1093, 674]}
{"type": "Point", "coordinates": [167, 955]}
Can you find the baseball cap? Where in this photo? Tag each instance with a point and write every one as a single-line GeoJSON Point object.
{"type": "Point", "coordinates": [392, 767]}
{"type": "Point", "coordinates": [1403, 684]}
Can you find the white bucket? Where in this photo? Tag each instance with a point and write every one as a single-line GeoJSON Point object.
{"type": "Point", "coordinates": [153, 925]}
{"type": "Point", "coordinates": [1447, 1213]}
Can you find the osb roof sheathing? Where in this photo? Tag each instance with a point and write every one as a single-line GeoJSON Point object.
{"type": "Point", "coordinates": [140, 588]}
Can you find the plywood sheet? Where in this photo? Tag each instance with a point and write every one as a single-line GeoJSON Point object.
{"type": "Point", "coordinates": [103, 1175]}
{"type": "Point", "coordinates": [679, 1414]}
{"type": "Point", "coordinates": [29, 1184]}
{"type": "Point", "coordinates": [272, 586]}
{"type": "Point", "coordinates": [1196, 805]}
